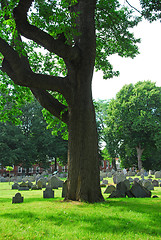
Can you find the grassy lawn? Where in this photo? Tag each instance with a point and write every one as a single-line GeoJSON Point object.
{"type": "Point", "coordinates": [38, 218]}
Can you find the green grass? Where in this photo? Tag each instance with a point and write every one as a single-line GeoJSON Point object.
{"type": "Point", "coordinates": [38, 218]}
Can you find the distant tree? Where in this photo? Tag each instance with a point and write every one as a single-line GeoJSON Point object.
{"type": "Point", "coordinates": [134, 119]}
{"type": "Point", "coordinates": [9, 169]}
{"type": "Point", "coordinates": [30, 142]}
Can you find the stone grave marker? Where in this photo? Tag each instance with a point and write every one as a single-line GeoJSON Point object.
{"type": "Point", "coordinates": [158, 174]}
{"type": "Point", "coordinates": [48, 193]}
{"type": "Point", "coordinates": [155, 183]}
{"type": "Point", "coordinates": [15, 186]}
{"type": "Point", "coordinates": [110, 189]}
{"type": "Point", "coordinates": [138, 191]}
{"type": "Point", "coordinates": [17, 198]}
{"type": "Point", "coordinates": [55, 182]}
{"type": "Point", "coordinates": [64, 189]}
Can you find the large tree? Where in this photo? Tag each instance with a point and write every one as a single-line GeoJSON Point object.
{"type": "Point", "coordinates": [134, 119]}
{"type": "Point", "coordinates": [76, 35]}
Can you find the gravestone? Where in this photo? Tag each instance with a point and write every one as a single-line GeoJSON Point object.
{"type": "Point", "coordinates": [109, 175]}
{"type": "Point", "coordinates": [105, 182]}
{"type": "Point", "coordinates": [48, 193]}
{"type": "Point", "coordinates": [110, 189]}
{"type": "Point", "coordinates": [136, 180]}
{"type": "Point", "coordinates": [17, 198]}
{"type": "Point", "coordinates": [39, 184]}
{"type": "Point", "coordinates": [103, 174]}
{"type": "Point", "coordinates": [131, 180]}
{"type": "Point", "coordinates": [138, 191]}
{"type": "Point", "coordinates": [64, 189]}
{"type": "Point", "coordinates": [155, 183]}
{"type": "Point", "coordinates": [42, 182]}
{"type": "Point", "coordinates": [147, 184]}
{"type": "Point", "coordinates": [158, 174]}
{"type": "Point", "coordinates": [30, 184]}
{"type": "Point", "coordinates": [34, 187]}
{"type": "Point", "coordinates": [131, 174]}
{"type": "Point", "coordinates": [15, 186]}
{"type": "Point", "coordinates": [55, 182]}
{"type": "Point", "coordinates": [101, 178]}
{"type": "Point", "coordinates": [23, 186]}
{"type": "Point", "coordinates": [121, 189]}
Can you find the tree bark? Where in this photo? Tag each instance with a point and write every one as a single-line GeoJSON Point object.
{"type": "Point", "coordinates": [83, 162]}
{"type": "Point", "coordinates": [139, 154]}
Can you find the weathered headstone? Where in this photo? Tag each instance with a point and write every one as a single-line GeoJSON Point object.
{"type": "Point", "coordinates": [34, 187]}
{"type": "Point", "coordinates": [55, 182]}
{"type": "Point", "coordinates": [23, 186]}
{"type": "Point", "coordinates": [139, 191]}
{"type": "Point", "coordinates": [39, 184]}
{"type": "Point", "coordinates": [17, 198]}
{"type": "Point", "coordinates": [147, 184]}
{"type": "Point", "coordinates": [110, 189]}
{"type": "Point", "coordinates": [109, 175]}
{"type": "Point", "coordinates": [158, 174]}
{"type": "Point", "coordinates": [48, 193]}
{"type": "Point", "coordinates": [64, 189]}
{"type": "Point", "coordinates": [15, 186]}
{"type": "Point", "coordinates": [155, 183]}
{"type": "Point", "coordinates": [105, 182]}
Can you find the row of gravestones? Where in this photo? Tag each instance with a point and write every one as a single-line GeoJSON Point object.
{"type": "Point", "coordinates": [157, 174]}
{"type": "Point", "coordinates": [33, 178]}
{"type": "Point", "coordinates": [53, 182]}
{"type": "Point", "coordinates": [47, 193]}
{"type": "Point", "coordinates": [124, 188]}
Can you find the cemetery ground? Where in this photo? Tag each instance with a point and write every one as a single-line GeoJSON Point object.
{"type": "Point", "coordinates": [116, 218]}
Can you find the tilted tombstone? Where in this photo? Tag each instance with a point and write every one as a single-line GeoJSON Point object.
{"type": "Point", "coordinates": [110, 189]}
{"type": "Point", "coordinates": [17, 198]}
{"type": "Point", "coordinates": [139, 191]}
{"type": "Point", "coordinates": [48, 193]}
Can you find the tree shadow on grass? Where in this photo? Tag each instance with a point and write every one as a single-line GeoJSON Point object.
{"type": "Point", "coordinates": [102, 221]}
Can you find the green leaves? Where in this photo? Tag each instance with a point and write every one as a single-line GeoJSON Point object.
{"type": "Point", "coordinates": [134, 117]}
{"type": "Point", "coordinates": [113, 36]}
{"type": "Point", "coordinates": [151, 9]}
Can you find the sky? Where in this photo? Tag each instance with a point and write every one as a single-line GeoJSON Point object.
{"type": "Point", "coordinates": [145, 66]}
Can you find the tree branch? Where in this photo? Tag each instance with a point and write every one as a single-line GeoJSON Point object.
{"type": "Point", "coordinates": [133, 7]}
{"type": "Point", "coordinates": [42, 38]}
{"type": "Point", "coordinates": [51, 104]}
{"type": "Point", "coordinates": [19, 71]}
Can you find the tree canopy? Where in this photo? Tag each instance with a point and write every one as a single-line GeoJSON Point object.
{"type": "Point", "coordinates": [134, 119]}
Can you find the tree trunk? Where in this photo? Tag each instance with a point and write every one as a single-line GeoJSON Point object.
{"type": "Point", "coordinates": [139, 154]}
{"type": "Point", "coordinates": [83, 162]}
{"type": "Point", "coordinates": [55, 165]}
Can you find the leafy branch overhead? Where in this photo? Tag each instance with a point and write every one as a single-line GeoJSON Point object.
{"type": "Point", "coordinates": [41, 59]}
